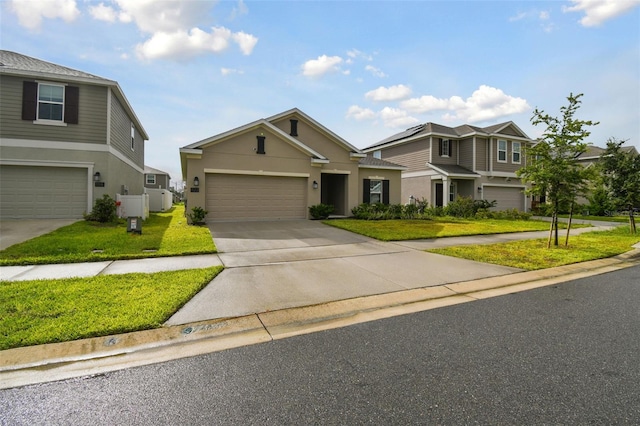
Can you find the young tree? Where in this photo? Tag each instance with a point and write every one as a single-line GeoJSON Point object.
{"type": "Point", "coordinates": [621, 174]}
{"type": "Point", "coordinates": [552, 166]}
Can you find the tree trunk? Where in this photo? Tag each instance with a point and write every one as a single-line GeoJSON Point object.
{"type": "Point", "coordinates": [566, 241]}
{"type": "Point", "coordinates": [551, 230]}
{"type": "Point", "coordinates": [632, 222]}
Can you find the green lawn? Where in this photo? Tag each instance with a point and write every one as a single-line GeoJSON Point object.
{"type": "Point", "coordinates": [439, 227]}
{"type": "Point", "coordinates": [163, 234]}
{"type": "Point", "coordinates": [48, 311]}
{"type": "Point", "coordinates": [534, 254]}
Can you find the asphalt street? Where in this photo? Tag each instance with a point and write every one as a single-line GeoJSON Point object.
{"type": "Point", "coordinates": [563, 354]}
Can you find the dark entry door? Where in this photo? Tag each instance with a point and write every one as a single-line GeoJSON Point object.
{"type": "Point", "coordinates": [439, 193]}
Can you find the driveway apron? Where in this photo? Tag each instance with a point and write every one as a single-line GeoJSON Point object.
{"type": "Point", "coordinates": [283, 264]}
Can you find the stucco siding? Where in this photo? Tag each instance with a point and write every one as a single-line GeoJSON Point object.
{"type": "Point", "coordinates": [92, 115]}
{"type": "Point", "coordinates": [418, 187]}
{"type": "Point", "coordinates": [393, 176]}
{"type": "Point", "coordinates": [413, 155]}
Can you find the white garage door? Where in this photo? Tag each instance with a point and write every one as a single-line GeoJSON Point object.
{"type": "Point", "coordinates": [507, 198]}
{"type": "Point", "coordinates": [28, 192]}
{"type": "Point", "coordinates": [245, 197]}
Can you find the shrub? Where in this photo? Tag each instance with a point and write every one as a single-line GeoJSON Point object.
{"type": "Point", "coordinates": [104, 210]}
{"type": "Point", "coordinates": [197, 215]}
{"type": "Point", "coordinates": [320, 211]}
{"type": "Point", "coordinates": [599, 202]}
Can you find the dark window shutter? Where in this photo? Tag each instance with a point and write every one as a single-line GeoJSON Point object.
{"type": "Point", "coordinates": [29, 100]}
{"type": "Point", "coordinates": [71, 104]}
{"type": "Point", "coordinates": [260, 149]}
{"type": "Point", "coordinates": [440, 146]}
{"type": "Point", "coordinates": [385, 192]}
{"type": "Point", "coordinates": [294, 127]}
{"type": "Point", "coordinates": [366, 191]}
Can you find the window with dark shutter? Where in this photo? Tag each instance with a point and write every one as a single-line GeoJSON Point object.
{"type": "Point", "coordinates": [294, 127]}
{"type": "Point", "coordinates": [260, 149]}
{"type": "Point", "coordinates": [440, 147]}
{"type": "Point", "coordinates": [29, 100]}
{"type": "Point", "coordinates": [71, 104]}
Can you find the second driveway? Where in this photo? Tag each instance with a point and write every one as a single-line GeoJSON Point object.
{"type": "Point", "coordinates": [285, 264]}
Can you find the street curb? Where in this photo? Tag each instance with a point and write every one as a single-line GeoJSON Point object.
{"type": "Point", "coordinates": [57, 361]}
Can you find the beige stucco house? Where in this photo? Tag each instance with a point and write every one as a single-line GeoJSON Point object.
{"type": "Point", "coordinates": [66, 138]}
{"type": "Point", "coordinates": [443, 163]}
{"type": "Point", "coordinates": [277, 167]}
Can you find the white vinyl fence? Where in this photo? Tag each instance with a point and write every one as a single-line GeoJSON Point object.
{"type": "Point", "coordinates": [160, 200]}
{"type": "Point", "coordinates": [133, 205]}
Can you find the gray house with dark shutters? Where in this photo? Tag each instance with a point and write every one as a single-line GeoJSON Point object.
{"type": "Point", "coordinates": [66, 138]}
{"type": "Point", "coordinates": [444, 163]}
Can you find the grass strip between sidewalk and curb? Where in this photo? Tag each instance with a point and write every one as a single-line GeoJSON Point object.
{"type": "Point", "coordinates": [437, 227]}
{"type": "Point", "coordinates": [163, 234]}
{"type": "Point", "coordinates": [47, 311]}
{"type": "Point", "coordinates": [533, 254]}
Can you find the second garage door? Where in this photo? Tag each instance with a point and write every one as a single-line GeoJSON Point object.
{"type": "Point", "coordinates": [247, 197]}
{"type": "Point", "coordinates": [507, 198]}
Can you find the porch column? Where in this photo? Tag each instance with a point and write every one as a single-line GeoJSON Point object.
{"type": "Point", "coordinates": [445, 191]}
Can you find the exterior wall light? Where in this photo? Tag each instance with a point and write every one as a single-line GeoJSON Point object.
{"type": "Point", "coordinates": [96, 177]}
{"type": "Point", "coordinates": [315, 184]}
{"type": "Point", "coordinates": [479, 189]}
{"type": "Point", "coordinates": [196, 181]}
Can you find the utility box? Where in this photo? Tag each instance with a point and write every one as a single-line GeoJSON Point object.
{"type": "Point", "coordinates": [134, 224]}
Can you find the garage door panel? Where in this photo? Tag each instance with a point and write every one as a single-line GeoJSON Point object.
{"type": "Point", "coordinates": [507, 198]}
{"type": "Point", "coordinates": [255, 197]}
{"type": "Point", "coordinates": [42, 192]}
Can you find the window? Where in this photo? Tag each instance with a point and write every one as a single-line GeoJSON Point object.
{"type": "Point", "coordinates": [377, 154]}
{"type": "Point", "coordinates": [133, 137]}
{"type": "Point", "coordinates": [452, 192]}
{"type": "Point", "coordinates": [445, 147]}
{"type": "Point", "coordinates": [502, 151]}
{"type": "Point", "coordinates": [375, 191]}
{"type": "Point", "coordinates": [515, 152]}
{"type": "Point", "coordinates": [260, 147]}
{"type": "Point", "coordinates": [294, 127]}
{"type": "Point", "coordinates": [151, 179]}
{"type": "Point", "coordinates": [50, 102]}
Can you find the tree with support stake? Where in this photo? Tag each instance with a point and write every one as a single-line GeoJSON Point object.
{"type": "Point", "coordinates": [552, 168]}
{"type": "Point", "coordinates": [621, 176]}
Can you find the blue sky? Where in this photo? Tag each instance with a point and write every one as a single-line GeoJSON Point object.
{"type": "Point", "coordinates": [364, 69]}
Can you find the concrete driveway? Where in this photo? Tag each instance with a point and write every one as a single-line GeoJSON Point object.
{"type": "Point", "coordinates": [14, 231]}
{"type": "Point", "coordinates": [284, 264]}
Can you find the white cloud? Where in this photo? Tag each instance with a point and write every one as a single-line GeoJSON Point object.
{"type": "Point", "coordinates": [544, 15]}
{"type": "Point", "coordinates": [182, 44]}
{"type": "Point", "coordinates": [31, 12]}
{"type": "Point", "coordinates": [598, 11]}
{"type": "Point", "coordinates": [359, 113]}
{"type": "Point", "coordinates": [486, 103]}
{"type": "Point", "coordinates": [103, 13]}
{"type": "Point", "coordinates": [355, 54]}
{"type": "Point", "coordinates": [517, 17]}
{"type": "Point", "coordinates": [391, 93]}
{"type": "Point", "coordinates": [240, 10]}
{"type": "Point", "coordinates": [375, 71]}
{"type": "Point", "coordinates": [323, 65]}
{"type": "Point", "coordinates": [246, 42]}
{"type": "Point", "coordinates": [393, 117]}
{"type": "Point", "coordinates": [174, 28]}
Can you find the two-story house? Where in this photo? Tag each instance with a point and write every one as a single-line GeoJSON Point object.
{"type": "Point", "coordinates": [66, 138]}
{"type": "Point", "coordinates": [156, 179]}
{"type": "Point", "coordinates": [444, 163]}
{"type": "Point", "coordinates": [277, 167]}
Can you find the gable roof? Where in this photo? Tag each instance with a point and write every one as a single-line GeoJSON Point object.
{"type": "Point", "coordinates": [594, 152]}
{"type": "Point", "coordinates": [151, 170]}
{"type": "Point", "coordinates": [453, 170]}
{"type": "Point", "coordinates": [434, 129]}
{"type": "Point", "coordinates": [296, 111]}
{"type": "Point", "coordinates": [19, 65]}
